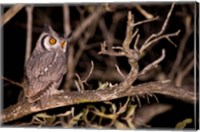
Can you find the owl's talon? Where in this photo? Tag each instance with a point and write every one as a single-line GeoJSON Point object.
{"type": "Point", "coordinates": [55, 91]}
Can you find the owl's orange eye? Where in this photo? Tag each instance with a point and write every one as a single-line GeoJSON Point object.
{"type": "Point", "coordinates": [52, 41]}
{"type": "Point", "coordinates": [63, 44]}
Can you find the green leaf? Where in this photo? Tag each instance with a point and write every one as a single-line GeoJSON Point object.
{"type": "Point", "coordinates": [120, 125]}
{"type": "Point", "coordinates": [43, 115]}
{"type": "Point", "coordinates": [183, 123]}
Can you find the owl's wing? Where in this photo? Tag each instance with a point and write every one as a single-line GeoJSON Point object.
{"type": "Point", "coordinates": [56, 68]}
{"type": "Point", "coordinates": [44, 69]}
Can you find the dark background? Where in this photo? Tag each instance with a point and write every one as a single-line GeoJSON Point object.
{"type": "Point", "coordinates": [14, 42]}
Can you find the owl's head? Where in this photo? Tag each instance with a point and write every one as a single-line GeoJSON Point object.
{"type": "Point", "coordinates": [49, 40]}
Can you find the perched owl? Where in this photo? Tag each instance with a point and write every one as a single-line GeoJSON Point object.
{"type": "Point", "coordinates": [46, 66]}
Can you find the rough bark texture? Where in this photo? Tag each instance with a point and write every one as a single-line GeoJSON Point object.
{"type": "Point", "coordinates": [24, 108]}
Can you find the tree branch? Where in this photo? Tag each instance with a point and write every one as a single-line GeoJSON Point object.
{"type": "Point", "coordinates": [87, 22]}
{"type": "Point", "coordinates": [24, 108]}
{"type": "Point", "coordinates": [11, 13]}
{"type": "Point", "coordinates": [29, 10]}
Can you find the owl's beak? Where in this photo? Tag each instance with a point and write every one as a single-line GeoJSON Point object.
{"type": "Point", "coordinates": [63, 44]}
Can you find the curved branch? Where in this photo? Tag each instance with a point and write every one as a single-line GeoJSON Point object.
{"type": "Point", "coordinates": [24, 108]}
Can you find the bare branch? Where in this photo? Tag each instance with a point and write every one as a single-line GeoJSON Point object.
{"type": "Point", "coordinates": [182, 74]}
{"type": "Point", "coordinates": [119, 71]}
{"type": "Point", "coordinates": [143, 12]}
{"type": "Point", "coordinates": [23, 108]}
{"type": "Point", "coordinates": [151, 38]}
{"type": "Point", "coordinates": [136, 43]}
{"type": "Point", "coordinates": [153, 64]}
{"type": "Point", "coordinates": [29, 10]}
{"type": "Point", "coordinates": [145, 46]}
{"type": "Point", "coordinates": [80, 83]}
{"type": "Point", "coordinates": [67, 30]}
{"type": "Point", "coordinates": [70, 68]}
{"type": "Point", "coordinates": [171, 42]}
{"type": "Point", "coordinates": [131, 54]}
{"type": "Point", "coordinates": [111, 53]}
{"type": "Point", "coordinates": [13, 82]}
{"type": "Point", "coordinates": [166, 20]}
{"type": "Point", "coordinates": [77, 85]}
{"type": "Point", "coordinates": [129, 33]}
{"type": "Point", "coordinates": [156, 98]}
{"type": "Point", "coordinates": [66, 18]}
{"type": "Point", "coordinates": [138, 100]}
{"type": "Point", "coordinates": [145, 21]}
{"type": "Point", "coordinates": [11, 13]}
{"type": "Point", "coordinates": [87, 22]}
{"type": "Point", "coordinates": [117, 48]}
{"type": "Point", "coordinates": [182, 45]}
{"type": "Point", "coordinates": [164, 25]}
{"type": "Point", "coordinates": [91, 70]}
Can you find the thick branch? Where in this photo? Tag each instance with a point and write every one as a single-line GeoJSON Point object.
{"type": "Point", "coordinates": [10, 13]}
{"type": "Point", "coordinates": [66, 16]}
{"type": "Point", "coordinates": [29, 10]}
{"type": "Point", "coordinates": [24, 108]}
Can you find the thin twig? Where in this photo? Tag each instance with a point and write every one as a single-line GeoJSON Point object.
{"type": "Point", "coordinates": [135, 33]}
{"type": "Point", "coordinates": [144, 12]}
{"type": "Point", "coordinates": [171, 41]}
{"type": "Point", "coordinates": [183, 73]}
{"type": "Point", "coordinates": [166, 20]}
{"type": "Point", "coordinates": [77, 85]}
{"type": "Point", "coordinates": [138, 100]}
{"type": "Point", "coordinates": [80, 83]}
{"type": "Point", "coordinates": [153, 64]}
{"type": "Point", "coordinates": [90, 73]}
{"type": "Point", "coordinates": [156, 98]}
{"type": "Point", "coordinates": [187, 59]}
{"type": "Point", "coordinates": [163, 26]}
{"type": "Point", "coordinates": [145, 46]}
{"type": "Point", "coordinates": [111, 53]}
{"type": "Point", "coordinates": [145, 21]}
{"type": "Point", "coordinates": [13, 82]}
{"type": "Point", "coordinates": [181, 48]}
{"type": "Point", "coordinates": [149, 39]}
{"type": "Point", "coordinates": [119, 71]}
{"type": "Point", "coordinates": [136, 42]}
{"type": "Point", "coordinates": [117, 48]}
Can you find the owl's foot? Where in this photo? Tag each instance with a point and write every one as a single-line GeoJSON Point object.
{"type": "Point", "coordinates": [54, 91]}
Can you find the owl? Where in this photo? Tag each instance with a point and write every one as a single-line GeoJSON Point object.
{"type": "Point", "coordinates": [47, 65]}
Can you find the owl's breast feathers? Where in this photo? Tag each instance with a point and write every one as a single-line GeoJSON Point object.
{"type": "Point", "coordinates": [42, 70]}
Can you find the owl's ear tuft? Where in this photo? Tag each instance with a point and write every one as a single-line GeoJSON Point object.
{"type": "Point", "coordinates": [67, 36]}
{"type": "Point", "coordinates": [47, 28]}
